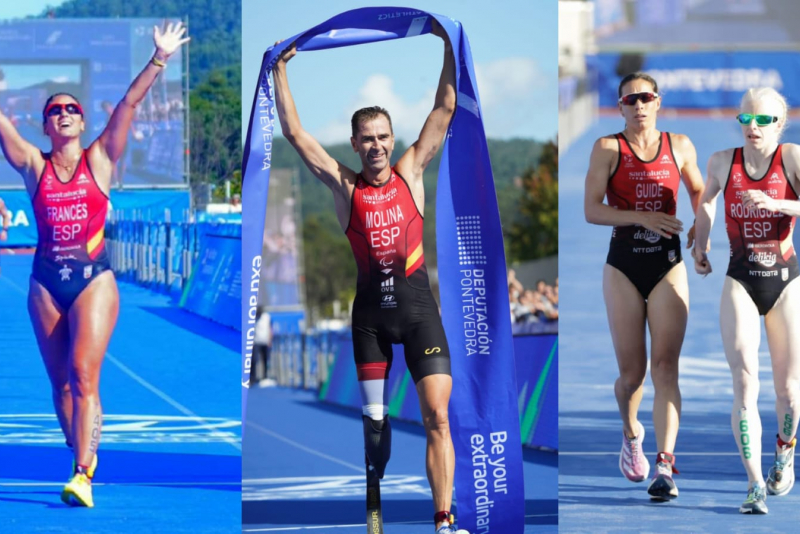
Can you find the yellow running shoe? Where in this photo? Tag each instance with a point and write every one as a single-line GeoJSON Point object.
{"type": "Point", "coordinates": [91, 469]}
{"type": "Point", "coordinates": [78, 491]}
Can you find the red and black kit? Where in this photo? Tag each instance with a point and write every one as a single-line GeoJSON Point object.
{"type": "Point", "coordinates": [70, 219]}
{"type": "Point", "coordinates": [644, 257]}
{"type": "Point", "coordinates": [393, 303]}
{"type": "Point", "coordinates": [762, 256]}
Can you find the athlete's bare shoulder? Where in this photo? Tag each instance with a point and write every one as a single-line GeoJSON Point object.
{"type": "Point", "coordinates": [681, 144]}
{"type": "Point", "coordinates": [719, 164]}
{"type": "Point", "coordinates": [791, 159]}
{"type": "Point", "coordinates": [604, 153]}
{"type": "Point", "coordinates": [607, 142]}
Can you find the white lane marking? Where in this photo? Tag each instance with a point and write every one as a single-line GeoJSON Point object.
{"type": "Point", "coordinates": [235, 443]}
{"type": "Point", "coordinates": [15, 286]}
{"type": "Point", "coordinates": [309, 450]}
{"type": "Point", "coordinates": [680, 454]}
{"type": "Point", "coordinates": [315, 452]}
{"type": "Point", "coordinates": [295, 488]}
{"type": "Point", "coordinates": [318, 527]}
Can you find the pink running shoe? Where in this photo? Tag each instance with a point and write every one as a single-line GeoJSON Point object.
{"type": "Point", "coordinates": [632, 462]}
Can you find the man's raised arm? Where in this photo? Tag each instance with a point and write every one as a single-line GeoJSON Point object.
{"type": "Point", "coordinates": [420, 154]}
{"type": "Point", "coordinates": [319, 162]}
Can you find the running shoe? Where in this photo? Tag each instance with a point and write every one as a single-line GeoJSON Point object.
{"type": "Point", "coordinates": [662, 487]}
{"type": "Point", "coordinates": [632, 462]}
{"type": "Point", "coordinates": [90, 471]}
{"type": "Point", "coordinates": [781, 474]}
{"type": "Point", "coordinates": [450, 529]}
{"type": "Point", "coordinates": [756, 501]}
{"type": "Point", "coordinates": [78, 491]}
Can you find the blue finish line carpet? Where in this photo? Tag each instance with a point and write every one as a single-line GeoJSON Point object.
{"type": "Point", "coordinates": [593, 495]}
{"type": "Point", "coordinates": [303, 471]}
{"type": "Point", "coordinates": [169, 458]}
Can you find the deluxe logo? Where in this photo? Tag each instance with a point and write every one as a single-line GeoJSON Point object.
{"type": "Point", "coordinates": [766, 259]}
{"type": "Point", "coordinates": [648, 235]}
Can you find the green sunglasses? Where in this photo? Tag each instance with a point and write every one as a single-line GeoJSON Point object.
{"type": "Point", "coordinates": [761, 120]}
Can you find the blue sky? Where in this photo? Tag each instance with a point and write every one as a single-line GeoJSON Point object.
{"type": "Point", "coordinates": [13, 10]}
{"type": "Point", "coordinates": [514, 47]}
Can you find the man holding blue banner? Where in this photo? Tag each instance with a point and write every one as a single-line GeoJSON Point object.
{"type": "Point", "coordinates": [380, 209]}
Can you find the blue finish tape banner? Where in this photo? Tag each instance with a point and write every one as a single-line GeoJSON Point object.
{"type": "Point", "coordinates": [536, 362]}
{"type": "Point", "coordinates": [147, 205]}
{"type": "Point", "coordinates": [705, 79]}
{"type": "Point", "coordinates": [215, 288]}
{"type": "Point", "coordinates": [474, 295]}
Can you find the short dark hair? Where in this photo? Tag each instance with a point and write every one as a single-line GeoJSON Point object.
{"type": "Point", "coordinates": [368, 114]}
{"type": "Point", "coordinates": [50, 100]}
{"type": "Point", "coordinates": [637, 76]}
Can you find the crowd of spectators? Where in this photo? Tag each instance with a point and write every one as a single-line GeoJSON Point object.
{"type": "Point", "coordinates": [533, 311]}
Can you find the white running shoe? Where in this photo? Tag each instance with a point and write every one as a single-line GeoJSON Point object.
{"type": "Point", "coordinates": [781, 474]}
{"type": "Point", "coordinates": [632, 462]}
{"type": "Point", "coordinates": [756, 501]}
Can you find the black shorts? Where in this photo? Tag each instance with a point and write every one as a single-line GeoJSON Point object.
{"type": "Point", "coordinates": [406, 316]}
{"type": "Point", "coordinates": [67, 279]}
{"type": "Point", "coordinates": [646, 266]}
{"type": "Point", "coordinates": [765, 290]}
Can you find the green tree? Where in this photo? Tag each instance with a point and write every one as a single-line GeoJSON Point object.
{"type": "Point", "coordinates": [535, 234]}
{"type": "Point", "coordinates": [330, 270]}
{"type": "Point", "coordinates": [215, 140]}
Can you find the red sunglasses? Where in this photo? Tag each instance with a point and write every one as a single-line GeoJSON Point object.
{"type": "Point", "coordinates": [73, 108]}
{"type": "Point", "coordinates": [629, 100]}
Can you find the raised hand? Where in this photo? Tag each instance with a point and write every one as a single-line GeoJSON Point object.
{"type": "Point", "coordinates": [168, 42]}
{"type": "Point", "coordinates": [287, 54]}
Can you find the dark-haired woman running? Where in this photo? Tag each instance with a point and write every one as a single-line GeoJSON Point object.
{"type": "Point", "coordinates": [644, 279]}
{"type": "Point", "coordinates": [73, 299]}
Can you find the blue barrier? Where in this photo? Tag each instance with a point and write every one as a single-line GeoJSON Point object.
{"type": "Point", "coordinates": [325, 361]}
{"type": "Point", "coordinates": [214, 288]}
{"type": "Point", "coordinates": [704, 79]}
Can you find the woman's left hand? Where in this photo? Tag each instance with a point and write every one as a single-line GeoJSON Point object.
{"type": "Point", "coordinates": [759, 200]}
{"type": "Point", "coordinates": [167, 43]}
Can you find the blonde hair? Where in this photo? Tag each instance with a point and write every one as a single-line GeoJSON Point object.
{"type": "Point", "coordinates": [762, 93]}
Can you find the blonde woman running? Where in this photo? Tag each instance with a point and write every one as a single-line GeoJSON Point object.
{"type": "Point", "coordinates": [759, 183]}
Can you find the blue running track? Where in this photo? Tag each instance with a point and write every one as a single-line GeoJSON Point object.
{"type": "Point", "coordinates": [170, 455]}
{"type": "Point", "coordinates": [303, 471]}
{"type": "Point", "coordinates": [593, 495]}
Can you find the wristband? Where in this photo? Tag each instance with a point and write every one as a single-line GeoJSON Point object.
{"type": "Point", "coordinates": [158, 63]}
